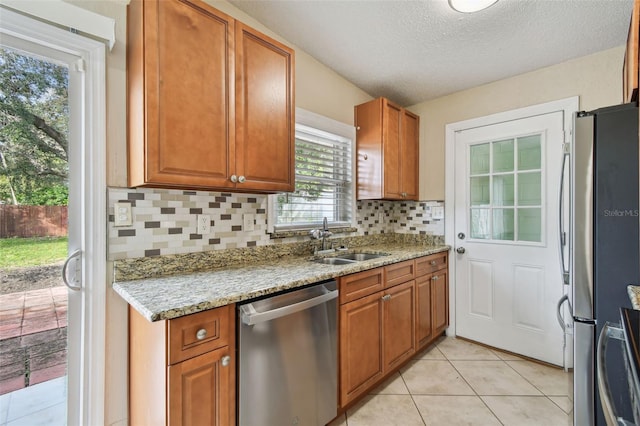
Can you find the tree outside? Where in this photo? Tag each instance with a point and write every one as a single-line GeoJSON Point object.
{"type": "Point", "coordinates": [34, 113]}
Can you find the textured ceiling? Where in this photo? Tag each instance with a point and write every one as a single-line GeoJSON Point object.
{"type": "Point", "coordinates": [412, 51]}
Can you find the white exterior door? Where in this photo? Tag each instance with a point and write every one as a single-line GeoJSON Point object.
{"type": "Point", "coordinates": [507, 271]}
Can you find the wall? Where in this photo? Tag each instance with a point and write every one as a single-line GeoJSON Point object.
{"type": "Point", "coordinates": [596, 78]}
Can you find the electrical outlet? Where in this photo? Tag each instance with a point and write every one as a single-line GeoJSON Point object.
{"type": "Point", "coordinates": [204, 223]}
{"type": "Point", "coordinates": [437, 212]}
{"type": "Point", "coordinates": [122, 214]}
{"type": "Point", "coordinates": [248, 222]}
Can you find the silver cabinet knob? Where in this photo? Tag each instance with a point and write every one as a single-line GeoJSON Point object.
{"type": "Point", "coordinates": [460, 250]}
{"type": "Point", "coordinates": [435, 278]}
{"type": "Point", "coordinates": [241, 179]}
{"type": "Point", "coordinates": [386, 297]}
{"type": "Point", "coordinates": [201, 334]}
{"type": "Point", "coordinates": [225, 361]}
{"type": "Point", "coordinates": [234, 178]}
{"type": "Point", "coordinates": [433, 263]}
{"type": "Point", "coordinates": [357, 127]}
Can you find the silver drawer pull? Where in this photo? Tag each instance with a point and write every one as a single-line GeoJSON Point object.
{"type": "Point", "coordinates": [201, 334]}
{"type": "Point", "coordinates": [386, 297]}
{"type": "Point", "coordinates": [435, 278]}
{"type": "Point", "coordinates": [433, 263]}
{"type": "Point", "coordinates": [226, 360]}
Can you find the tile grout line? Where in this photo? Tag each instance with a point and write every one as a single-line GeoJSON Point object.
{"type": "Point", "coordinates": [539, 390]}
{"type": "Point", "coordinates": [474, 391]}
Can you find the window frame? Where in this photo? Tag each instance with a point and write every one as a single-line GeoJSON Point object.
{"type": "Point", "coordinates": [311, 120]}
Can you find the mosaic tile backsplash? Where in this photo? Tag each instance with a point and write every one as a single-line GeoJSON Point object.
{"type": "Point", "coordinates": [164, 221]}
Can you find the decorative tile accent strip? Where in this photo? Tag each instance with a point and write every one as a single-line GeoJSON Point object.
{"type": "Point", "coordinates": [164, 222]}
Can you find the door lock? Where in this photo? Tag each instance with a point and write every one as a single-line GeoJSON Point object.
{"type": "Point", "coordinates": [460, 250]}
{"type": "Point", "coordinates": [461, 235]}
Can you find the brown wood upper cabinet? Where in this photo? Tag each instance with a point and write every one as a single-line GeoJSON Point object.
{"type": "Point", "coordinates": [211, 101]}
{"type": "Point", "coordinates": [387, 140]}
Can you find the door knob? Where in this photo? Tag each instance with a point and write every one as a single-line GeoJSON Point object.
{"type": "Point", "coordinates": [460, 250]}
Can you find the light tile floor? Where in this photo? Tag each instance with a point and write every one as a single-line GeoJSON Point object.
{"type": "Point", "coordinates": [457, 382]}
{"type": "Point", "coordinates": [37, 405]}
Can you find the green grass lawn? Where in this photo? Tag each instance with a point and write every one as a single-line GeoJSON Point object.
{"type": "Point", "coordinates": [19, 252]}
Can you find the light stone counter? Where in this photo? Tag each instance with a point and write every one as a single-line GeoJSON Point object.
{"type": "Point", "coordinates": [634, 295]}
{"type": "Point", "coordinates": [174, 296]}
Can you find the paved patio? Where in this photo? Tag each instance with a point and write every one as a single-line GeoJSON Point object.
{"type": "Point", "coordinates": [33, 337]}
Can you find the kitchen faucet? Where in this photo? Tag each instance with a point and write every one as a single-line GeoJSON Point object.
{"type": "Point", "coordinates": [322, 233]}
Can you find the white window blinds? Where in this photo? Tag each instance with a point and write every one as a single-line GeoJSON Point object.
{"type": "Point", "coordinates": [323, 182]}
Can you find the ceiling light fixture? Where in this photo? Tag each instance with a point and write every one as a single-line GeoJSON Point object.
{"type": "Point", "coordinates": [470, 6]}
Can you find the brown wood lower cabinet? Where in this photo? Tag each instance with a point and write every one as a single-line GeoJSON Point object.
{"type": "Point", "coordinates": [182, 371]}
{"type": "Point", "coordinates": [398, 317]}
{"type": "Point", "coordinates": [381, 330]}
{"type": "Point", "coordinates": [432, 307]}
{"type": "Point", "coordinates": [361, 363]}
{"type": "Point", "coordinates": [440, 300]}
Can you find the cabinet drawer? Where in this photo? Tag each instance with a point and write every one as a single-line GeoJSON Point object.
{"type": "Point", "coordinates": [199, 333]}
{"type": "Point", "coordinates": [429, 264]}
{"type": "Point", "coordinates": [361, 284]}
{"type": "Point", "coordinates": [399, 273]}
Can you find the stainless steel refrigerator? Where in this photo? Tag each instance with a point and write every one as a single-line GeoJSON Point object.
{"type": "Point", "coordinates": [603, 249]}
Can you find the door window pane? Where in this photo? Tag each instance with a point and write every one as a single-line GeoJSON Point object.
{"type": "Point", "coordinates": [503, 156]}
{"type": "Point", "coordinates": [503, 190]}
{"type": "Point", "coordinates": [480, 223]}
{"type": "Point", "coordinates": [529, 189]}
{"type": "Point", "coordinates": [530, 225]}
{"type": "Point", "coordinates": [529, 153]}
{"type": "Point", "coordinates": [479, 159]}
{"type": "Point", "coordinates": [480, 195]}
{"type": "Point", "coordinates": [503, 226]}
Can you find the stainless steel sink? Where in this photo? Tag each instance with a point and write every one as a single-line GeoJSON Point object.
{"type": "Point", "coordinates": [361, 256]}
{"type": "Point", "coordinates": [348, 258]}
{"type": "Point", "coordinates": [334, 261]}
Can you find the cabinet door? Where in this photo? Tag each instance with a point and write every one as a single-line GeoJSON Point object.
{"type": "Point", "coordinates": [361, 363]}
{"type": "Point", "coordinates": [265, 105]}
{"type": "Point", "coordinates": [424, 329]}
{"type": "Point", "coordinates": [180, 92]}
{"type": "Point", "coordinates": [200, 391]}
{"type": "Point", "coordinates": [399, 323]}
{"type": "Point", "coordinates": [392, 145]}
{"type": "Point", "coordinates": [440, 298]}
{"type": "Point", "coordinates": [409, 155]}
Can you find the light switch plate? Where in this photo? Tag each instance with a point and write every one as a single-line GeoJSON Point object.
{"type": "Point", "coordinates": [122, 214]}
{"type": "Point", "coordinates": [248, 221]}
{"type": "Point", "coordinates": [204, 224]}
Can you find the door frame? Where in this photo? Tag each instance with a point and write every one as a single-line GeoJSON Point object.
{"type": "Point", "coordinates": [88, 385]}
{"type": "Point", "coordinates": [568, 106]}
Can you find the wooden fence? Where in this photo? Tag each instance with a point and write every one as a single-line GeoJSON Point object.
{"type": "Point", "coordinates": [33, 221]}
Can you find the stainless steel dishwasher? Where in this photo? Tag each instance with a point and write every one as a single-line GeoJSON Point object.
{"type": "Point", "coordinates": [288, 358]}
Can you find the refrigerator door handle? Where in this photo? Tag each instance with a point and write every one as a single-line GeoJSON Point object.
{"type": "Point", "coordinates": [608, 332]}
{"type": "Point", "coordinates": [561, 302]}
{"type": "Point", "coordinates": [562, 235]}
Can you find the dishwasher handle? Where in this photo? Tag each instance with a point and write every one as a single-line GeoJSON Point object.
{"type": "Point", "coordinates": [250, 316]}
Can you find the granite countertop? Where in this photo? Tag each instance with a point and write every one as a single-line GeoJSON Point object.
{"type": "Point", "coordinates": [634, 295]}
{"type": "Point", "coordinates": [174, 296]}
